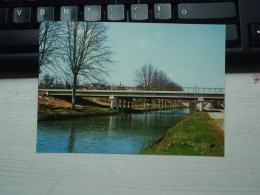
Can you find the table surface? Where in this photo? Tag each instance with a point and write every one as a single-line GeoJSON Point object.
{"type": "Point", "coordinates": [23, 171]}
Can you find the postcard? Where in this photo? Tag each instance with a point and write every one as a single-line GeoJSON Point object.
{"type": "Point", "coordinates": [131, 88]}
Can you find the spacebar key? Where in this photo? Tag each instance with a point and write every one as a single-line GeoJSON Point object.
{"type": "Point", "coordinates": [206, 10]}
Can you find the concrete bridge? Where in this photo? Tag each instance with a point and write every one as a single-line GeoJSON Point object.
{"type": "Point", "coordinates": [128, 95]}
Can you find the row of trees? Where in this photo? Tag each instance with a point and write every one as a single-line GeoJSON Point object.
{"type": "Point", "coordinates": [150, 78]}
{"type": "Point", "coordinates": [54, 82]}
{"type": "Point", "coordinates": [50, 82]}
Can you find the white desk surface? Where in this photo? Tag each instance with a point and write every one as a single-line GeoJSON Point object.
{"type": "Point", "coordinates": [23, 171]}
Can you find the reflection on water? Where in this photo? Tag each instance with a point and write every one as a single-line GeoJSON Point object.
{"type": "Point", "coordinates": [120, 134]}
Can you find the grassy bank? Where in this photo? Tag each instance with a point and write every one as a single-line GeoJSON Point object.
{"type": "Point", "coordinates": [75, 114]}
{"type": "Point", "coordinates": [53, 108]}
{"type": "Point", "coordinates": [196, 135]}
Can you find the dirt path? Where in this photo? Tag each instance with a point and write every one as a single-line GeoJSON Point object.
{"type": "Point", "coordinates": [218, 118]}
{"type": "Point", "coordinates": [217, 115]}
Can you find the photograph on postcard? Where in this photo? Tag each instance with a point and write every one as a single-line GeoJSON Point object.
{"type": "Point", "coordinates": [131, 88]}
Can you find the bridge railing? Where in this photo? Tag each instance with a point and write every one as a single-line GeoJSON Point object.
{"type": "Point", "coordinates": [203, 89]}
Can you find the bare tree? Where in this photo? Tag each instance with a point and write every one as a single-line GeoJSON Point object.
{"type": "Point", "coordinates": [49, 37]}
{"type": "Point", "coordinates": [85, 54]}
{"type": "Point", "coordinates": [163, 80]}
{"type": "Point", "coordinates": [46, 82]}
{"type": "Point", "coordinates": [149, 78]}
{"type": "Point", "coordinates": [146, 76]}
{"type": "Point", "coordinates": [172, 86]}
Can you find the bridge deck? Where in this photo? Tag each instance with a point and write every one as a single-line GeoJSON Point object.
{"type": "Point", "coordinates": [137, 94]}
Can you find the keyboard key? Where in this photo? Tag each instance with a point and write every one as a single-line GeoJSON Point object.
{"type": "Point", "coordinates": [206, 10]}
{"type": "Point", "coordinates": [92, 13]}
{"type": "Point", "coordinates": [231, 32]}
{"type": "Point", "coordinates": [45, 14]}
{"type": "Point", "coordinates": [22, 15]}
{"type": "Point", "coordinates": [162, 11]}
{"type": "Point", "coordinates": [4, 15]}
{"type": "Point", "coordinates": [115, 12]}
{"type": "Point", "coordinates": [254, 33]}
{"type": "Point", "coordinates": [139, 11]}
{"type": "Point", "coordinates": [69, 13]}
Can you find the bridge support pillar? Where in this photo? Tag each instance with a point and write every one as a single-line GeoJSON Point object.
{"type": "Point", "coordinates": [126, 104]}
{"type": "Point", "coordinates": [200, 102]}
{"type": "Point", "coordinates": [165, 104]}
{"type": "Point", "coordinates": [112, 98]}
{"type": "Point", "coordinates": [159, 103]}
{"type": "Point", "coordinates": [144, 104]}
{"type": "Point", "coordinates": [154, 103]}
{"type": "Point", "coordinates": [117, 104]}
{"type": "Point", "coordinates": [112, 104]}
{"type": "Point", "coordinates": [122, 104]}
{"type": "Point", "coordinates": [130, 103]}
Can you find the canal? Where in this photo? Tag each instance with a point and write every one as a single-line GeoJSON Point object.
{"type": "Point", "coordinates": [117, 134]}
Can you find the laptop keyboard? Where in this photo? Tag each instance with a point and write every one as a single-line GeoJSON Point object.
{"type": "Point", "coordinates": [26, 14]}
{"type": "Point", "coordinates": [19, 16]}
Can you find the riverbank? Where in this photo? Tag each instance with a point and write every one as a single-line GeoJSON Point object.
{"type": "Point", "coordinates": [70, 114]}
{"type": "Point", "coordinates": [53, 108]}
{"type": "Point", "coordinates": [67, 113]}
{"type": "Point", "coordinates": [149, 109]}
{"type": "Point", "coordinates": [196, 135]}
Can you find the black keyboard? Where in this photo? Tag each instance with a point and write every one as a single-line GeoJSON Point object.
{"type": "Point", "coordinates": [19, 24]}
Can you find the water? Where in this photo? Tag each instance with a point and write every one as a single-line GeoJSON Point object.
{"type": "Point", "coordinates": [120, 134]}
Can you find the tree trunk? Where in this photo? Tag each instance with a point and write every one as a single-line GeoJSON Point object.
{"type": "Point", "coordinates": [73, 101]}
{"type": "Point", "coordinates": [74, 87]}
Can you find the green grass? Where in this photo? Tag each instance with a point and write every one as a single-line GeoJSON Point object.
{"type": "Point", "coordinates": [75, 114]}
{"type": "Point", "coordinates": [196, 135]}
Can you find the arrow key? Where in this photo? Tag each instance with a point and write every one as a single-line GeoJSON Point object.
{"type": "Point", "coordinates": [254, 33]}
{"type": "Point", "coordinates": [206, 11]}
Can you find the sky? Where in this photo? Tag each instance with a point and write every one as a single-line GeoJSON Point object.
{"type": "Point", "coordinates": [190, 54]}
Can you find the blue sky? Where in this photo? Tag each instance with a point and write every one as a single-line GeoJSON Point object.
{"type": "Point", "coordinates": [189, 54]}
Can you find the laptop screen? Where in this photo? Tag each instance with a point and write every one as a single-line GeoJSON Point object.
{"type": "Point", "coordinates": [131, 88]}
